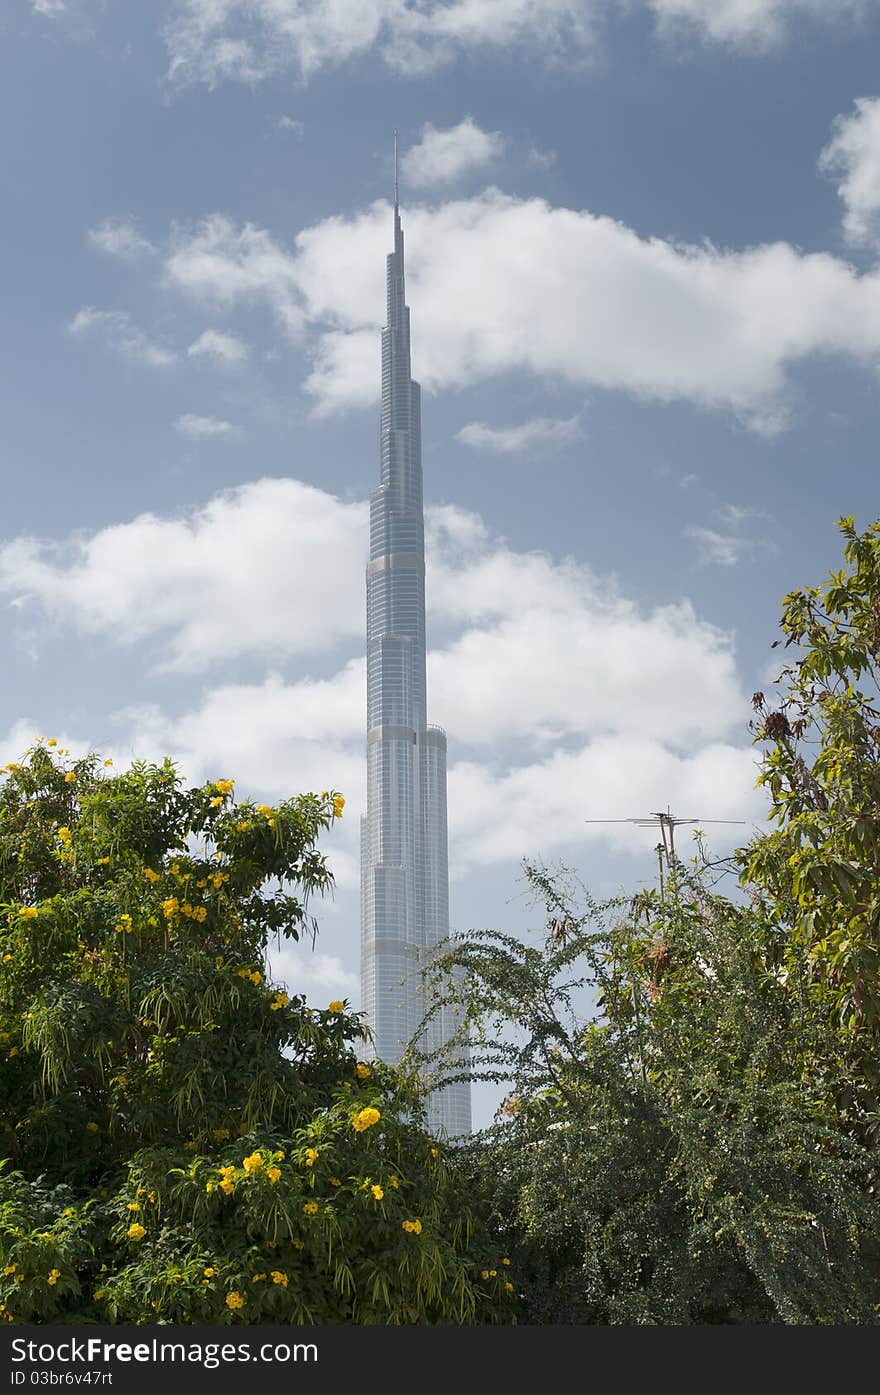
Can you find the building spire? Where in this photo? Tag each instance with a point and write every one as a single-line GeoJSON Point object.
{"type": "Point", "coordinates": [396, 188]}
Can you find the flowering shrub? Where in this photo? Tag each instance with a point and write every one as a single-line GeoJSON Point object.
{"type": "Point", "coordinates": [184, 1141]}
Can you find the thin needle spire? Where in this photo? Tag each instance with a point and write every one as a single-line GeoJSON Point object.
{"type": "Point", "coordinates": [396, 200]}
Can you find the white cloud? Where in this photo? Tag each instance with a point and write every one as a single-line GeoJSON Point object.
{"type": "Point", "coordinates": [290, 123]}
{"type": "Point", "coordinates": [248, 41]}
{"type": "Point", "coordinates": [223, 265]}
{"type": "Point", "coordinates": [218, 346]}
{"type": "Point", "coordinates": [239, 576]}
{"type": "Point", "coordinates": [200, 428]}
{"type": "Point", "coordinates": [443, 156]}
{"type": "Point", "coordinates": [563, 699]}
{"type": "Point", "coordinates": [750, 23]}
{"type": "Point", "coordinates": [538, 809]}
{"type": "Point", "coordinates": [528, 435]}
{"type": "Point", "coordinates": [719, 549]}
{"type": "Point", "coordinates": [853, 153]}
{"type": "Point", "coordinates": [120, 238]}
{"type": "Point", "coordinates": [122, 336]}
{"type": "Point", "coordinates": [50, 8]}
{"type": "Point", "coordinates": [593, 303]}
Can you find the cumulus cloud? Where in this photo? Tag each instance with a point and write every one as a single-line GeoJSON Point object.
{"type": "Point", "coordinates": [593, 302]}
{"type": "Point", "coordinates": [238, 576]}
{"type": "Point", "coordinates": [527, 435]}
{"type": "Point", "coordinates": [50, 8]}
{"type": "Point", "coordinates": [120, 335]}
{"type": "Point", "coordinates": [200, 428]}
{"type": "Point", "coordinates": [749, 23]}
{"type": "Point", "coordinates": [853, 153]}
{"type": "Point", "coordinates": [217, 346]}
{"type": "Point", "coordinates": [120, 238]}
{"type": "Point", "coordinates": [248, 41]}
{"type": "Point", "coordinates": [444, 155]}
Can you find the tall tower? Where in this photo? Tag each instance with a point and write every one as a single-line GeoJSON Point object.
{"type": "Point", "coordinates": [404, 872]}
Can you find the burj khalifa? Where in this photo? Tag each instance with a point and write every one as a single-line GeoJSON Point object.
{"type": "Point", "coordinates": [404, 862]}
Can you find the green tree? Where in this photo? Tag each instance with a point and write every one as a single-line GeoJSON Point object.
{"type": "Point", "coordinates": [662, 1158]}
{"type": "Point", "coordinates": [184, 1141]}
{"type": "Point", "coordinates": [818, 873]}
{"type": "Point", "coordinates": [701, 1145]}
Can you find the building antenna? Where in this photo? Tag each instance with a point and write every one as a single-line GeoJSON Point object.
{"type": "Point", "coordinates": [667, 823]}
{"type": "Point", "coordinates": [396, 189]}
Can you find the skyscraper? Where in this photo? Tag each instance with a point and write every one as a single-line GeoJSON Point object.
{"type": "Point", "coordinates": [404, 873]}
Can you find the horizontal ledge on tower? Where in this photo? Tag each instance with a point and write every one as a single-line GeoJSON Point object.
{"type": "Point", "coordinates": [397, 561]}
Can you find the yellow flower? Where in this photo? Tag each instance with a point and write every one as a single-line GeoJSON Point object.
{"type": "Point", "coordinates": [297, 1243]}
{"type": "Point", "coordinates": [243, 826]}
{"type": "Point", "coordinates": [311, 1208]}
{"type": "Point", "coordinates": [338, 806]}
{"type": "Point", "coordinates": [68, 1211]}
{"type": "Point", "coordinates": [7, 959]}
{"type": "Point", "coordinates": [209, 1272]}
{"type": "Point", "coordinates": [255, 977]}
{"type": "Point", "coordinates": [435, 1152]}
{"type": "Point", "coordinates": [505, 1261]}
{"type": "Point", "coordinates": [99, 1294]}
{"type": "Point", "coordinates": [311, 1157]}
{"type": "Point", "coordinates": [227, 1185]}
{"type": "Point", "coordinates": [484, 1274]}
{"type": "Point", "coordinates": [234, 1300]}
{"type": "Point", "coordinates": [377, 1192]}
{"type": "Point", "coordinates": [133, 1206]}
{"type": "Point", "coordinates": [29, 913]}
{"type": "Point", "coordinates": [493, 1273]}
{"type": "Point", "coordinates": [219, 1135]}
{"type": "Point", "coordinates": [224, 786]}
{"type": "Point", "coordinates": [150, 875]}
{"type": "Point", "coordinates": [200, 914]}
{"type": "Point", "coordinates": [170, 907]}
{"type": "Point", "coordinates": [271, 823]}
{"type": "Point", "coordinates": [14, 1051]}
{"type": "Point", "coordinates": [51, 741]}
{"type": "Point", "coordinates": [273, 1173]}
{"type": "Point", "coordinates": [263, 809]}
{"type": "Point", "coordinates": [102, 861]}
{"type": "Point", "coordinates": [252, 1162]}
{"type": "Point", "coordinates": [64, 833]}
{"type": "Point", "coordinates": [209, 1187]}
{"type": "Point", "coordinates": [136, 1231]}
{"type": "Point", "coordinates": [255, 1278]}
{"type": "Point", "coordinates": [362, 1071]}
{"type": "Point", "coordinates": [70, 777]}
{"type": "Point", "coordinates": [279, 1278]}
{"type": "Point", "coordinates": [509, 1288]}
{"type": "Point", "coordinates": [335, 1006]}
{"type": "Point", "coordinates": [334, 1181]}
{"type": "Point", "coordinates": [10, 1269]}
{"type": "Point", "coordinates": [107, 763]}
{"type": "Point", "coordinates": [393, 1182]}
{"type": "Point", "coordinates": [92, 1126]}
{"type": "Point", "coordinates": [365, 1119]}
{"type": "Point", "coordinates": [279, 1001]}
{"type": "Point", "coordinates": [414, 1227]}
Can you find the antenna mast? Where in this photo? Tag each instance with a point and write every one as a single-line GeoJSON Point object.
{"type": "Point", "coordinates": [396, 189]}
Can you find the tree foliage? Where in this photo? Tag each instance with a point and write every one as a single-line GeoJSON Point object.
{"type": "Point", "coordinates": [690, 1133]}
{"type": "Point", "coordinates": [186, 1142]}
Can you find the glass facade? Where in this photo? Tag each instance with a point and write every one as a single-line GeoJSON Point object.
{"type": "Point", "coordinates": [404, 870]}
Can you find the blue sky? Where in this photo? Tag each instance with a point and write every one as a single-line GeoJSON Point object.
{"type": "Point", "coordinates": [642, 247]}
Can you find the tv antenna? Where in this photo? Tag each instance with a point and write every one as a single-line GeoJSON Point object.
{"type": "Point", "coordinates": [667, 823]}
